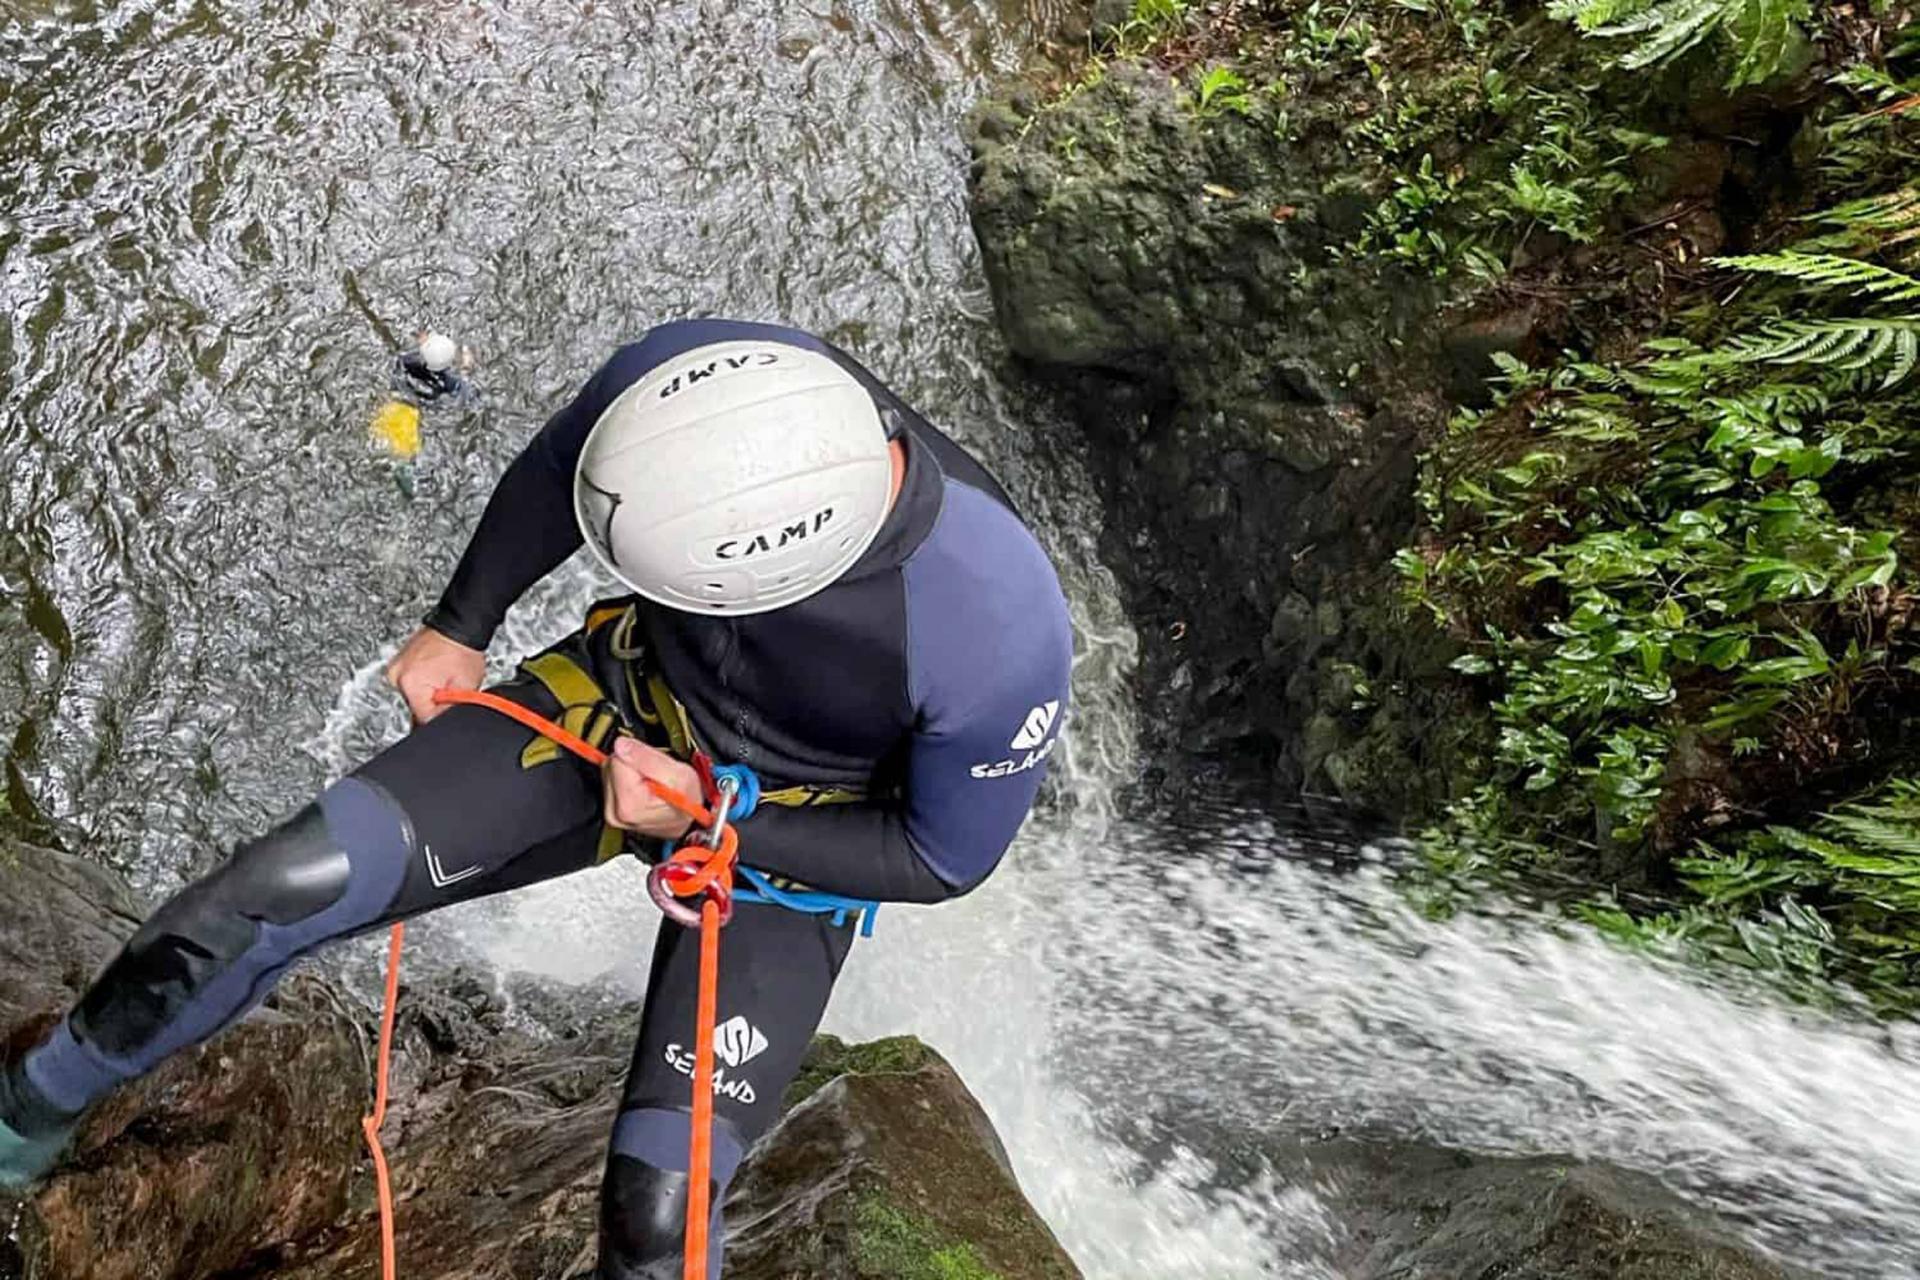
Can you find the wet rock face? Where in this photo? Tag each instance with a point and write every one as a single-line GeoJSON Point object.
{"type": "Point", "coordinates": [1441, 1215]}
{"type": "Point", "coordinates": [1254, 415]}
{"type": "Point", "coordinates": [496, 1141]}
{"type": "Point", "coordinates": [60, 920]}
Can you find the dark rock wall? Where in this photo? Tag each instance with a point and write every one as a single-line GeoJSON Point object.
{"type": "Point", "coordinates": [1418, 1213]}
{"type": "Point", "coordinates": [1254, 415]}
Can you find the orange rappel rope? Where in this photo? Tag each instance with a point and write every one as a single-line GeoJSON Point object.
{"type": "Point", "coordinates": [707, 872]}
{"type": "Point", "coordinates": [371, 1124]}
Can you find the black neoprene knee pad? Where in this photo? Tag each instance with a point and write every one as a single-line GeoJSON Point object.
{"type": "Point", "coordinates": [286, 876]}
{"type": "Point", "coordinates": [643, 1221]}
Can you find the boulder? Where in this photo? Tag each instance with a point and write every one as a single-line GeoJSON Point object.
{"type": "Point", "coordinates": [1425, 1213]}
{"type": "Point", "coordinates": [890, 1172]}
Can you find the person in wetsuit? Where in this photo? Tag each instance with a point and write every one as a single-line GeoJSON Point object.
{"type": "Point", "coordinates": [828, 591]}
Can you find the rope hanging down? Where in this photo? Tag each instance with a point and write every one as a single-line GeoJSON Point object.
{"type": "Point", "coordinates": [702, 867]}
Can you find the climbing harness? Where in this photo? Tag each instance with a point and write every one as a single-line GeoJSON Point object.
{"type": "Point", "coordinates": [701, 868]}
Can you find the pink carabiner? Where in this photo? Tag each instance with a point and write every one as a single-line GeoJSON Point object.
{"type": "Point", "coordinates": [684, 911]}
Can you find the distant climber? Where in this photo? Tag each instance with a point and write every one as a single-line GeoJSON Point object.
{"type": "Point", "coordinates": [827, 590]}
{"type": "Point", "coordinates": [435, 369]}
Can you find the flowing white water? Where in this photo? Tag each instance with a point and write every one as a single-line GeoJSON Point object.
{"type": "Point", "coordinates": [1255, 983]}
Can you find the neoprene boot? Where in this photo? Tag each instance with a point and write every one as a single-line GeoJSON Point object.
{"type": "Point", "coordinates": [32, 1133]}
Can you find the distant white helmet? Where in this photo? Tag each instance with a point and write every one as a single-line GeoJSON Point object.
{"type": "Point", "coordinates": [438, 351]}
{"type": "Point", "coordinates": [737, 478]}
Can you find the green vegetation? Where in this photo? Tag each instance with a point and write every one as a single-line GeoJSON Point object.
{"type": "Point", "coordinates": [1222, 89]}
{"type": "Point", "coordinates": [1474, 124]}
{"type": "Point", "coordinates": [1763, 37]}
{"type": "Point", "coordinates": [1676, 554]}
{"type": "Point", "coordinates": [1151, 20]}
{"type": "Point", "coordinates": [892, 1243]}
{"type": "Point", "coordinates": [1680, 576]}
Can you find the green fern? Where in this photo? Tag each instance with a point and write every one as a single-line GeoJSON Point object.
{"type": "Point", "coordinates": [1885, 835]}
{"type": "Point", "coordinates": [1763, 33]}
{"type": "Point", "coordinates": [1669, 29]}
{"type": "Point", "coordinates": [1766, 33]}
{"type": "Point", "coordinates": [1892, 343]}
{"type": "Point", "coordinates": [1830, 271]}
{"type": "Point", "coordinates": [1874, 844]}
{"type": "Point", "coordinates": [1886, 222]}
{"type": "Point", "coordinates": [1876, 83]}
{"type": "Point", "coordinates": [1591, 15]}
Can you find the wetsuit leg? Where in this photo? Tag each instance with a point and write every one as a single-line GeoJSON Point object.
{"type": "Point", "coordinates": [777, 968]}
{"type": "Point", "coordinates": [447, 814]}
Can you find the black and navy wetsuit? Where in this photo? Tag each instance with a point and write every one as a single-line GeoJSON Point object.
{"type": "Point", "coordinates": [908, 675]}
{"type": "Point", "coordinates": [931, 680]}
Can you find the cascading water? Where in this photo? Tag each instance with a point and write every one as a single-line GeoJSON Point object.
{"type": "Point", "coordinates": [215, 223]}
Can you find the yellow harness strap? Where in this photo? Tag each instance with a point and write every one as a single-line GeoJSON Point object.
{"type": "Point", "coordinates": [585, 709]}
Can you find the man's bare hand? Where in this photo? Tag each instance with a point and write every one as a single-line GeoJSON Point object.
{"type": "Point", "coordinates": [631, 803]}
{"type": "Point", "coordinates": [430, 662]}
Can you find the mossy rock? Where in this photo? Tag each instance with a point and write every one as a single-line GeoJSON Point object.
{"type": "Point", "coordinates": [892, 1172]}
{"type": "Point", "coordinates": [889, 1241]}
{"type": "Point", "coordinates": [829, 1057]}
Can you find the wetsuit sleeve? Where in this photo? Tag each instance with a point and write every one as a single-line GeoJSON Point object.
{"type": "Point", "coordinates": [990, 654]}
{"type": "Point", "coordinates": [856, 850]}
{"type": "Point", "coordinates": [528, 527]}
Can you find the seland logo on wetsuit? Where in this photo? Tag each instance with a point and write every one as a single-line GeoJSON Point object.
{"type": "Point", "coordinates": [1036, 738]}
{"type": "Point", "coordinates": [736, 1042]}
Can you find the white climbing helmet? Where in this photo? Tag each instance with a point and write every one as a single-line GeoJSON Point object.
{"type": "Point", "coordinates": [438, 351]}
{"type": "Point", "coordinates": [734, 479]}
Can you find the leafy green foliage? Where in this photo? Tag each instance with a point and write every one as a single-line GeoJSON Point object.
{"type": "Point", "coordinates": [1892, 344]}
{"type": "Point", "coordinates": [1150, 22]}
{"type": "Point", "coordinates": [1762, 35]}
{"type": "Point", "coordinates": [1160, 12]}
{"type": "Point", "coordinates": [1223, 89]}
{"type": "Point", "coordinates": [1853, 880]}
{"type": "Point", "coordinates": [1473, 20]}
{"type": "Point", "coordinates": [1888, 224]}
{"type": "Point", "coordinates": [1325, 32]}
{"type": "Point", "coordinates": [1889, 344]}
{"type": "Point", "coordinates": [1652, 555]}
{"type": "Point", "coordinates": [1560, 161]}
{"type": "Point", "coordinates": [1830, 271]}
